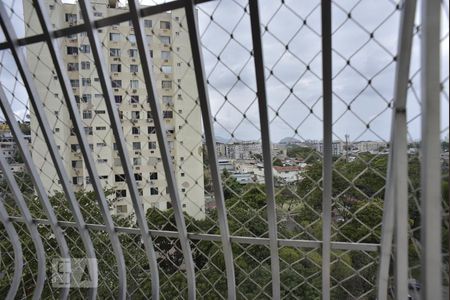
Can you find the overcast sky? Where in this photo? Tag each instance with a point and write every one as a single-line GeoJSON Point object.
{"type": "Point", "coordinates": [293, 68]}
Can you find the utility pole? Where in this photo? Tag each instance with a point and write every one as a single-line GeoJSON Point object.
{"type": "Point", "coordinates": [347, 136]}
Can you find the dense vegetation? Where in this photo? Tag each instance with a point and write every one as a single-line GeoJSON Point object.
{"type": "Point", "coordinates": [358, 192]}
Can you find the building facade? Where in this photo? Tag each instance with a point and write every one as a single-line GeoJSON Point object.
{"type": "Point", "coordinates": [175, 86]}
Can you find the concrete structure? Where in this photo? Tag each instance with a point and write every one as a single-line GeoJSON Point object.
{"type": "Point", "coordinates": [369, 146]}
{"type": "Point", "coordinates": [176, 87]}
{"type": "Point", "coordinates": [225, 164]}
{"type": "Point", "coordinates": [243, 178]}
{"type": "Point", "coordinates": [337, 147]}
{"type": "Point", "coordinates": [243, 150]}
{"type": "Point", "coordinates": [287, 174]}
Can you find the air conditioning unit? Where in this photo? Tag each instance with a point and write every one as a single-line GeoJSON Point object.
{"type": "Point", "coordinates": [166, 60]}
{"type": "Point", "coordinates": [134, 91]}
{"type": "Point", "coordinates": [134, 73]}
{"type": "Point", "coordinates": [149, 120]}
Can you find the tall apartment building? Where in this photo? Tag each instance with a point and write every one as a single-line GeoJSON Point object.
{"type": "Point", "coordinates": [176, 87]}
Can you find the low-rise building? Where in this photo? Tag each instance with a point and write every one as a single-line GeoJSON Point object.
{"type": "Point", "coordinates": [287, 174]}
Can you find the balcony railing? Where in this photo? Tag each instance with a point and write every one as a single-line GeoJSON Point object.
{"type": "Point", "coordinates": [355, 90]}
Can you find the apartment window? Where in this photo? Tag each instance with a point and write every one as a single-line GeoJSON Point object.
{"type": "Point", "coordinates": [120, 114]}
{"type": "Point", "coordinates": [147, 23]}
{"type": "Point", "coordinates": [134, 99]}
{"type": "Point", "coordinates": [102, 161]}
{"type": "Point", "coordinates": [85, 49]}
{"type": "Point", "coordinates": [100, 112]}
{"type": "Point", "coordinates": [135, 130]}
{"type": "Point", "coordinates": [88, 130]}
{"type": "Point", "coordinates": [149, 115]}
{"type": "Point", "coordinates": [97, 14]}
{"type": "Point", "coordinates": [138, 176]}
{"type": "Point", "coordinates": [72, 50]}
{"type": "Point", "coordinates": [76, 164]}
{"type": "Point", "coordinates": [99, 145]}
{"type": "Point", "coordinates": [153, 175]}
{"type": "Point", "coordinates": [85, 65]}
{"type": "Point", "coordinates": [151, 53]}
{"type": "Point", "coordinates": [71, 18]}
{"type": "Point", "coordinates": [182, 174]}
{"type": "Point", "coordinates": [132, 53]}
{"type": "Point", "coordinates": [137, 161]}
{"type": "Point", "coordinates": [164, 39]}
{"type": "Point", "coordinates": [134, 84]}
{"type": "Point", "coordinates": [100, 128]}
{"type": "Point", "coordinates": [151, 145]}
{"type": "Point", "coordinates": [75, 180]}
{"type": "Point", "coordinates": [85, 81]}
{"type": "Point", "coordinates": [119, 178]}
{"type": "Point", "coordinates": [116, 84]}
{"type": "Point", "coordinates": [74, 82]}
{"type": "Point", "coordinates": [136, 145]}
{"type": "Point", "coordinates": [151, 130]}
{"type": "Point", "coordinates": [121, 193]}
{"type": "Point", "coordinates": [134, 68]}
{"type": "Point", "coordinates": [165, 55]}
{"type": "Point", "coordinates": [87, 114]}
{"type": "Point", "coordinates": [167, 99]}
{"type": "Point", "coordinates": [167, 114]}
{"type": "Point", "coordinates": [135, 115]}
{"type": "Point", "coordinates": [116, 68]}
{"type": "Point", "coordinates": [122, 209]}
{"type": "Point", "coordinates": [132, 38]}
{"type": "Point", "coordinates": [164, 25]}
{"type": "Point", "coordinates": [86, 98]}
{"type": "Point", "coordinates": [72, 67]}
{"type": "Point", "coordinates": [166, 69]}
{"type": "Point", "coordinates": [118, 98]}
{"type": "Point", "coordinates": [114, 36]}
{"type": "Point", "coordinates": [154, 191]}
{"type": "Point", "coordinates": [115, 52]}
{"type": "Point", "coordinates": [166, 84]}
{"type": "Point", "coordinates": [74, 147]}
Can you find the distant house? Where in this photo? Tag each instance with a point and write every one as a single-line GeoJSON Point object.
{"type": "Point", "coordinates": [243, 178]}
{"type": "Point", "coordinates": [287, 174]}
{"type": "Point", "coordinates": [225, 164]}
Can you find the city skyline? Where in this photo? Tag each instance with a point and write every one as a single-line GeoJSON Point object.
{"type": "Point", "coordinates": [293, 91]}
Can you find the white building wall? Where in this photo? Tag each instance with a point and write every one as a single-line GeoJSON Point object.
{"type": "Point", "coordinates": [185, 140]}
